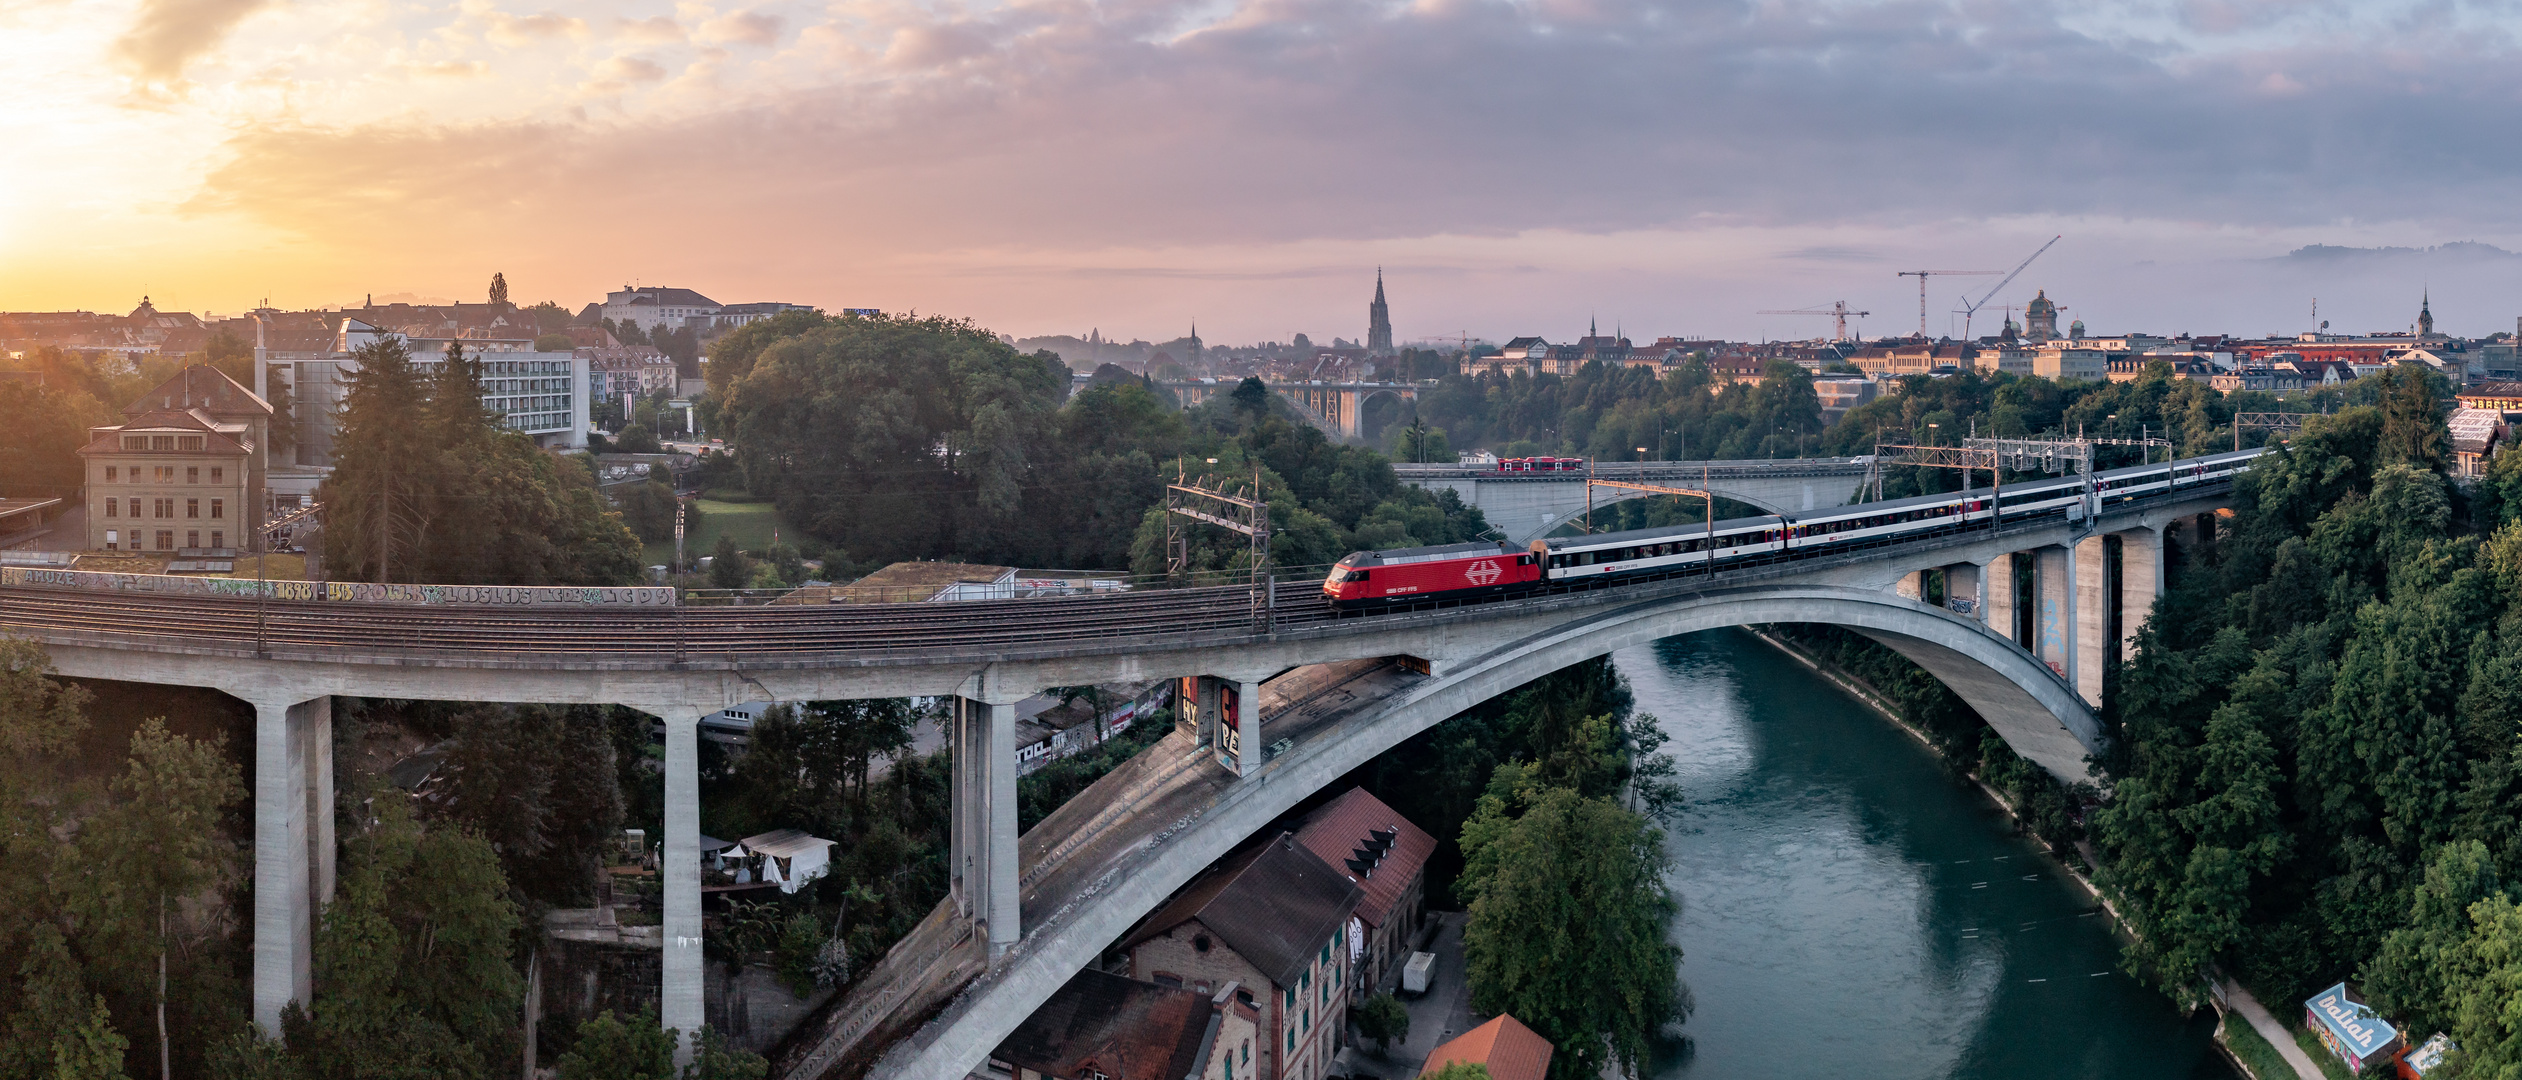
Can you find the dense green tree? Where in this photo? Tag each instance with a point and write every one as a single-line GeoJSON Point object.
{"type": "Point", "coordinates": [499, 291]}
{"type": "Point", "coordinates": [1382, 1018]}
{"type": "Point", "coordinates": [733, 354]}
{"type": "Point", "coordinates": [538, 782]}
{"type": "Point", "coordinates": [55, 1023]}
{"type": "Point", "coordinates": [2314, 763]}
{"type": "Point", "coordinates": [147, 851]}
{"type": "Point", "coordinates": [1570, 918]}
{"type": "Point", "coordinates": [648, 509]}
{"type": "Point", "coordinates": [427, 486]}
{"type": "Point", "coordinates": [414, 975]}
{"type": "Point", "coordinates": [609, 1049]}
{"type": "Point", "coordinates": [2487, 1004]}
{"type": "Point", "coordinates": [728, 568]}
{"type": "Point", "coordinates": [637, 439]}
{"type": "Point", "coordinates": [895, 438]}
{"type": "Point", "coordinates": [713, 1058]}
{"type": "Point", "coordinates": [2411, 978]}
{"type": "Point", "coordinates": [42, 429]}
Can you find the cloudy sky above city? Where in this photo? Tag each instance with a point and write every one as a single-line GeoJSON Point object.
{"type": "Point", "coordinates": [1051, 166]}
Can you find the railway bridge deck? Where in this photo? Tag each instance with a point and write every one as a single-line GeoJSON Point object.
{"type": "Point", "coordinates": [1026, 912]}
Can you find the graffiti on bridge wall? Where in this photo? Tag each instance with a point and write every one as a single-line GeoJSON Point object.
{"type": "Point", "coordinates": [346, 591]}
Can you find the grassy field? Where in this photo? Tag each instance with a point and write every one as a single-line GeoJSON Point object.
{"type": "Point", "coordinates": [750, 523]}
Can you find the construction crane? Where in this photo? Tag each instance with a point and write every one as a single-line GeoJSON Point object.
{"type": "Point", "coordinates": [1923, 275]}
{"type": "Point", "coordinates": [1838, 311]}
{"type": "Point", "coordinates": [1969, 309]}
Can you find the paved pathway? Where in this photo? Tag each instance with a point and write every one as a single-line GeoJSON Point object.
{"type": "Point", "coordinates": [2241, 1001]}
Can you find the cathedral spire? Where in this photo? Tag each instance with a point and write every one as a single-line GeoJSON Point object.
{"type": "Point", "coordinates": [2425, 314]}
{"type": "Point", "coordinates": [1378, 320]}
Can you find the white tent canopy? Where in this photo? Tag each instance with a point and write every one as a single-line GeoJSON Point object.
{"type": "Point", "coordinates": [790, 857]}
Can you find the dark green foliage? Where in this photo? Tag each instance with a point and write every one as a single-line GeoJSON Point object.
{"type": "Point", "coordinates": [428, 487]}
{"type": "Point", "coordinates": [649, 510]}
{"type": "Point", "coordinates": [1569, 918]}
{"type": "Point", "coordinates": [413, 968]}
{"type": "Point", "coordinates": [815, 768]}
{"type": "Point", "coordinates": [1436, 777]}
{"type": "Point", "coordinates": [41, 431]}
{"type": "Point", "coordinates": [2487, 999]}
{"type": "Point", "coordinates": [1606, 413]}
{"type": "Point", "coordinates": [2410, 978]}
{"type": "Point", "coordinates": [1383, 1019]}
{"type": "Point", "coordinates": [539, 782]}
{"type": "Point", "coordinates": [728, 568]}
{"type": "Point", "coordinates": [608, 1049]}
{"type": "Point", "coordinates": [60, 1028]}
{"type": "Point", "coordinates": [2315, 754]}
{"type": "Point", "coordinates": [636, 439]}
{"type": "Point", "coordinates": [713, 1059]}
{"type": "Point", "coordinates": [104, 879]}
{"type": "Point", "coordinates": [897, 438]}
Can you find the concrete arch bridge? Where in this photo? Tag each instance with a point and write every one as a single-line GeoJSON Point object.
{"type": "Point", "coordinates": [1526, 506]}
{"type": "Point", "coordinates": [1025, 913]}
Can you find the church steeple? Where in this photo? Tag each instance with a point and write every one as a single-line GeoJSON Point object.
{"type": "Point", "coordinates": [2425, 314]}
{"type": "Point", "coordinates": [1378, 320]}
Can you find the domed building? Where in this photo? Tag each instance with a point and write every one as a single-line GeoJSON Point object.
{"type": "Point", "coordinates": [2040, 318]}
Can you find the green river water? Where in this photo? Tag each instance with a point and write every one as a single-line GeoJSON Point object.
{"type": "Point", "coordinates": [1851, 912]}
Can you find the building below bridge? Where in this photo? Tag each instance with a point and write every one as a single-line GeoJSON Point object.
{"type": "Point", "coordinates": [1273, 919]}
{"type": "Point", "coordinates": [1103, 1026]}
{"type": "Point", "coordinates": [1386, 856]}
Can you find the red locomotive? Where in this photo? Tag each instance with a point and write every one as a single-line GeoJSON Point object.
{"type": "Point", "coordinates": [1540, 464]}
{"type": "Point", "coordinates": [1373, 578]}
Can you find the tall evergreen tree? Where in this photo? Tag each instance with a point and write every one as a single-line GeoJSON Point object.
{"type": "Point", "coordinates": [154, 846]}
{"type": "Point", "coordinates": [369, 504]}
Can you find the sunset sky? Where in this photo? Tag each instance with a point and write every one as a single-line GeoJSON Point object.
{"type": "Point", "coordinates": [1057, 165]}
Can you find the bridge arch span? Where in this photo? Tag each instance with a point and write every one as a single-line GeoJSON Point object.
{"type": "Point", "coordinates": [2034, 709]}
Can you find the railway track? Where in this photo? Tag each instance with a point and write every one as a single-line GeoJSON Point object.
{"type": "Point", "coordinates": [817, 630]}
{"type": "Point", "coordinates": [666, 637]}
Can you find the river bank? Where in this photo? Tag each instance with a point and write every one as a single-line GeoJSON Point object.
{"type": "Point", "coordinates": [2231, 1002]}
{"type": "Point", "coordinates": [1851, 908]}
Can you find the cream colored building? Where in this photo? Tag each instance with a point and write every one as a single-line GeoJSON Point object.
{"type": "Point", "coordinates": [2055, 362]}
{"type": "Point", "coordinates": [185, 469]}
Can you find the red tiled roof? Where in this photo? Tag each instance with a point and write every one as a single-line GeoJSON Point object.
{"type": "Point", "coordinates": [1509, 1049]}
{"type": "Point", "coordinates": [1350, 824]}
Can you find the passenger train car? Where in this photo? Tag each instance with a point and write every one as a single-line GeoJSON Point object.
{"type": "Point", "coordinates": [1381, 579]}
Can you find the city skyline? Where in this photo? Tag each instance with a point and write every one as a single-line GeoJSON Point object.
{"type": "Point", "coordinates": [1038, 167]}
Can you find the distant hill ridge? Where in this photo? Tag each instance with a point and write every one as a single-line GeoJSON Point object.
{"type": "Point", "coordinates": [2334, 253]}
